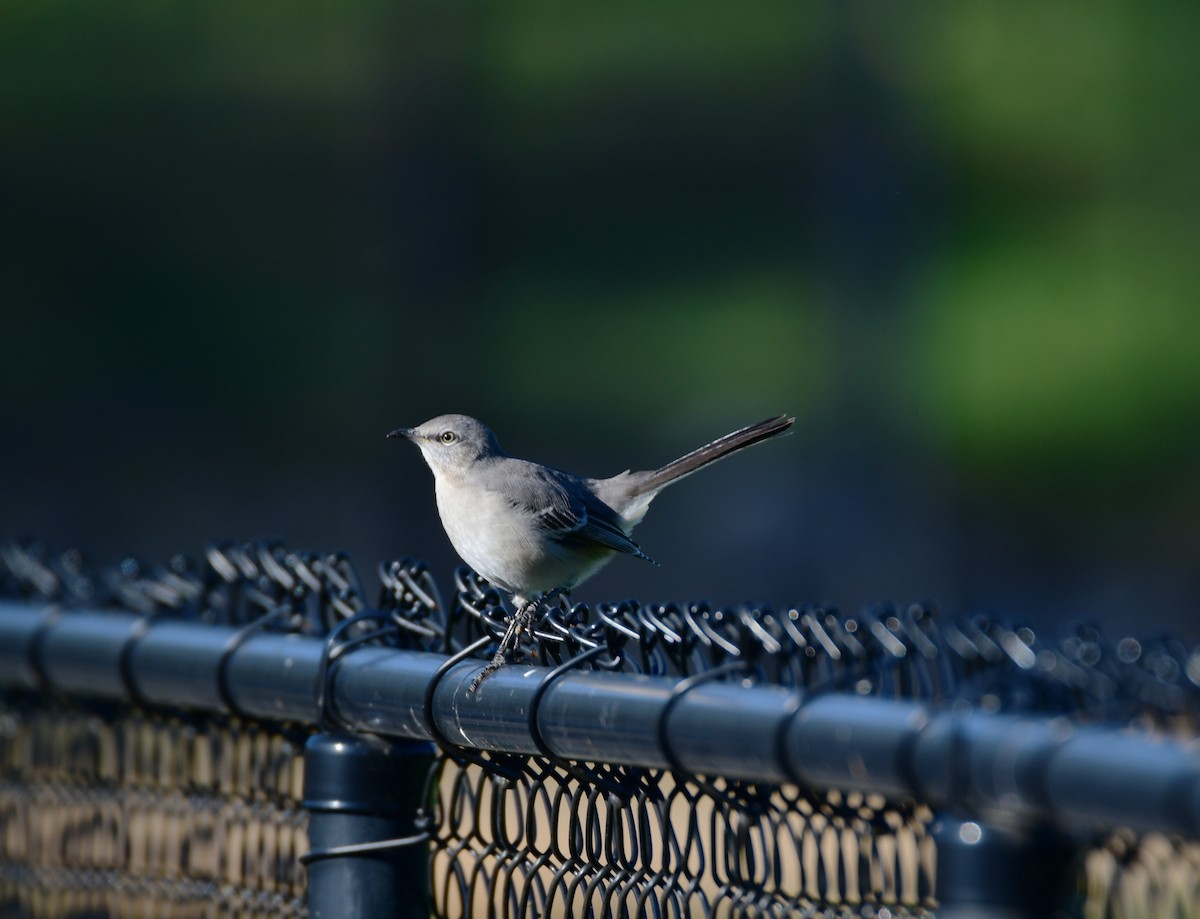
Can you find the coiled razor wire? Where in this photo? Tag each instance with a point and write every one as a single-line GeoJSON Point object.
{"type": "Point", "coordinates": [534, 836]}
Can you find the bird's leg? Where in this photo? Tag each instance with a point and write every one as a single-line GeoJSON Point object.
{"type": "Point", "coordinates": [522, 619]}
{"type": "Point", "coordinates": [510, 640]}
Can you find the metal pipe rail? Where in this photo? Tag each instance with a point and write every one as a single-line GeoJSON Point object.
{"type": "Point", "coordinates": [1026, 769]}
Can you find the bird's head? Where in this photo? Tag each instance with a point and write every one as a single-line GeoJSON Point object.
{"type": "Point", "coordinates": [450, 442]}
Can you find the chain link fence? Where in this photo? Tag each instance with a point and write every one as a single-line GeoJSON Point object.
{"type": "Point", "coordinates": [125, 791]}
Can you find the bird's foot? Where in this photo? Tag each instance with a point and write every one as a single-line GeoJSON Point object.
{"type": "Point", "coordinates": [495, 664]}
{"type": "Point", "coordinates": [511, 641]}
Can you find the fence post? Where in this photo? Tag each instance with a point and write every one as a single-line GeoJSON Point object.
{"type": "Point", "coordinates": [991, 871]}
{"type": "Point", "coordinates": [358, 789]}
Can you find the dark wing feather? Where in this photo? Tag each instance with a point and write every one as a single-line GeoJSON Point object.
{"type": "Point", "coordinates": [571, 514]}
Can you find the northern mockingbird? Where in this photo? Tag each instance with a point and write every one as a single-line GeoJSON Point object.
{"type": "Point", "coordinates": [537, 532]}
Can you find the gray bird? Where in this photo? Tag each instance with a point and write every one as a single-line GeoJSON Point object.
{"type": "Point", "coordinates": [538, 532]}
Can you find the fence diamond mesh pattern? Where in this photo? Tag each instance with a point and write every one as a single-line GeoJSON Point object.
{"type": "Point", "coordinates": [127, 809]}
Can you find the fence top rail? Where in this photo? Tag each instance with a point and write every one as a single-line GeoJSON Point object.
{"type": "Point", "coordinates": [953, 756]}
{"type": "Point", "coordinates": [909, 652]}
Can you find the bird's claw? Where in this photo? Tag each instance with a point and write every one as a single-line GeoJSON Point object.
{"type": "Point", "coordinates": [511, 641]}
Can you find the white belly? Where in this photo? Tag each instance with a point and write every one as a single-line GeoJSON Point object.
{"type": "Point", "coordinates": [505, 545]}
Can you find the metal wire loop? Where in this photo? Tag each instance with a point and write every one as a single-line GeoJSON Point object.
{"type": "Point", "coordinates": [236, 640]}
{"type": "Point", "coordinates": [335, 648]}
{"type": "Point", "coordinates": [49, 617]}
{"type": "Point", "coordinates": [504, 766]}
{"type": "Point", "coordinates": [136, 633]}
{"type": "Point", "coordinates": [361, 848]}
{"type": "Point", "coordinates": [681, 689]}
{"type": "Point", "coordinates": [585, 775]}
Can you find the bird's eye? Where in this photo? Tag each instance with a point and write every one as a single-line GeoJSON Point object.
{"type": "Point", "coordinates": [448, 437]}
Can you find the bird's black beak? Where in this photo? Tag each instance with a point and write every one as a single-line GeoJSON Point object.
{"type": "Point", "coordinates": [405, 433]}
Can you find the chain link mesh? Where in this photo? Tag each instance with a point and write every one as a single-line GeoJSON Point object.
{"type": "Point", "coordinates": [115, 811]}
{"type": "Point", "coordinates": [111, 812]}
{"type": "Point", "coordinates": [550, 844]}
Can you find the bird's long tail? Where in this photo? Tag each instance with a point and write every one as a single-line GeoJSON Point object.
{"type": "Point", "coordinates": [710, 453]}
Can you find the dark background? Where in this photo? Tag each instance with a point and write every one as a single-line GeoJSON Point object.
{"type": "Point", "coordinates": [241, 242]}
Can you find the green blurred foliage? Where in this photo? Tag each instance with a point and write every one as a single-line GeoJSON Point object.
{"type": "Point", "coordinates": [1057, 326]}
{"type": "Point", "coordinates": [1078, 360]}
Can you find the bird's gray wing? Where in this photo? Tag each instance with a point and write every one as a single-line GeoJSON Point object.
{"type": "Point", "coordinates": [567, 510]}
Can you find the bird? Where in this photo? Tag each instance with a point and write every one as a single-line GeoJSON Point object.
{"type": "Point", "coordinates": [537, 532]}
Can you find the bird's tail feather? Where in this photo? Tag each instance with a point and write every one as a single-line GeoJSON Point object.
{"type": "Point", "coordinates": [711, 452]}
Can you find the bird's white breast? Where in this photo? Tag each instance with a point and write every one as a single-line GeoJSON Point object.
{"type": "Point", "coordinates": [505, 544]}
